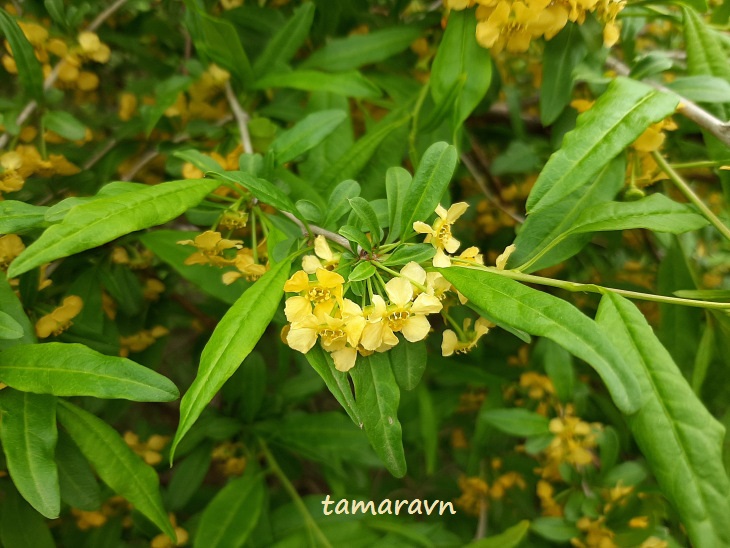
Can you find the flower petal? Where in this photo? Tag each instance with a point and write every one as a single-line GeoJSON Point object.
{"type": "Point", "coordinates": [416, 328]}
{"type": "Point", "coordinates": [310, 264]}
{"type": "Point", "coordinates": [298, 282]}
{"type": "Point", "coordinates": [400, 291]}
{"type": "Point", "coordinates": [448, 344]}
{"type": "Point", "coordinates": [301, 339]}
{"type": "Point", "coordinates": [297, 308]}
{"type": "Point", "coordinates": [426, 304]}
{"type": "Point", "coordinates": [344, 359]}
{"type": "Point", "coordinates": [441, 260]}
{"type": "Point", "coordinates": [415, 272]}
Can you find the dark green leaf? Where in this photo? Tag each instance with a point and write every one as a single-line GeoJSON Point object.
{"type": "Point", "coordinates": [101, 221]}
{"type": "Point", "coordinates": [510, 538]}
{"type": "Point", "coordinates": [397, 183]}
{"type": "Point", "coordinates": [115, 463]}
{"type": "Point", "coordinates": [188, 476]}
{"type": "Point", "coordinates": [562, 55]}
{"type": "Point", "coordinates": [79, 487]}
{"type": "Point", "coordinates": [337, 204]}
{"type": "Point", "coordinates": [350, 84]}
{"type": "Point", "coordinates": [28, 436]}
{"type": "Point", "coordinates": [11, 306]}
{"type": "Point", "coordinates": [261, 188]}
{"type": "Point", "coordinates": [306, 134]}
{"type": "Point", "coordinates": [21, 526]}
{"type": "Point", "coordinates": [336, 381]}
{"type": "Point", "coordinates": [64, 369]}
{"type": "Point", "coordinates": [542, 314]}
{"type": "Point", "coordinates": [409, 362]}
{"type": "Point", "coordinates": [377, 396]}
{"type": "Point", "coordinates": [356, 235]}
{"type": "Point", "coordinates": [233, 339]}
{"type": "Point", "coordinates": [407, 253]}
{"type": "Point", "coordinates": [428, 186]}
{"type": "Point", "coordinates": [287, 40]}
{"type": "Point", "coordinates": [679, 438]}
{"type": "Point", "coordinates": [362, 271]}
{"type": "Point", "coordinates": [17, 217]}
{"type": "Point", "coordinates": [516, 421]}
{"type": "Point", "coordinates": [65, 125]}
{"type": "Point", "coordinates": [555, 529]}
{"type": "Point", "coordinates": [9, 328]}
{"type": "Point", "coordinates": [368, 218]}
{"type": "Point", "coordinates": [30, 73]}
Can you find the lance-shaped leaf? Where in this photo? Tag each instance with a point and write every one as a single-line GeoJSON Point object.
{"type": "Point", "coordinates": [679, 438]}
{"type": "Point", "coordinates": [542, 314]}
{"type": "Point", "coordinates": [397, 181]}
{"type": "Point", "coordinates": [233, 339]}
{"type": "Point", "coordinates": [29, 435]}
{"type": "Point", "coordinates": [336, 381]}
{"type": "Point", "coordinates": [11, 306]}
{"type": "Point", "coordinates": [261, 188]}
{"type": "Point", "coordinates": [350, 83]}
{"type": "Point", "coordinates": [30, 72]}
{"type": "Point", "coordinates": [368, 218]}
{"type": "Point", "coordinates": [306, 134]}
{"type": "Point", "coordinates": [16, 217]}
{"type": "Point", "coordinates": [377, 396]}
{"type": "Point", "coordinates": [231, 516]}
{"type": "Point", "coordinates": [64, 369]}
{"type": "Point", "coordinates": [95, 223]}
{"type": "Point", "coordinates": [116, 463]}
{"type": "Point", "coordinates": [20, 525]}
{"type": "Point", "coordinates": [428, 186]}
{"type": "Point", "coordinates": [79, 487]}
{"type": "Point", "coordinates": [619, 116]}
{"type": "Point", "coordinates": [516, 421]}
{"type": "Point", "coordinates": [562, 55]}
{"type": "Point", "coordinates": [9, 328]}
{"type": "Point", "coordinates": [409, 362]}
{"type": "Point", "coordinates": [282, 46]}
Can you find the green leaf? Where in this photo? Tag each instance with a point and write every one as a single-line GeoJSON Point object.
{"type": "Point", "coordinates": [21, 526]}
{"type": "Point", "coordinates": [336, 381]}
{"type": "Point", "coordinates": [618, 117]}
{"type": "Point", "coordinates": [9, 328]}
{"type": "Point", "coordinates": [90, 225]}
{"type": "Point", "coordinates": [559, 367]}
{"type": "Point", "coordinates": [65, 125]}
{"type": "Point", "coordinates": [359, 155]}
{"type": "Point", "coordinates": [555, 529]}
{"type": "Point", "coordinates": [356, 235]}
{"type": "Point", "coordinates": [705, 354]}
{"type": "Point", "coordinates": [79, 487]}
{"type": "Point", "coordinates": [16, 217]}
{"type": "Point", "coordinates": [287, 40]}
{"type": "Point", "coordinates": [163, 243]}
{"type": "Point", "coordinates": [115, 463]}
{"type": "Point", "coordinates": [428, 186]}
{"type": "Point", "coordinates": [233, 339]}
{"type": "Point", "coordinates": [409, 362]}
{"type": "Point", "coordinates": [362, 271]}
{"type": "Point", "coordinates": [306, 134]}
{"type": "Point", "coordinates": [358, 50]}
{"type": "Point", "coordinates": [510, 538]}
{"type": "Point", "coordinates": [702, 88]}
{"type": "Point", "coordinates": [229, 519]}
{"type": "Point", "coordinates": [679, 438]}
{"type": "Point", "coordinates": [166, 93]}
{"type": "Point", "coordinates": [11, 306]}
{"type": "Point", "coordinates": [461, 58]}
{"type": "Point", "coordinates": [407, 253]}
{"type": "Point", "coordinates": [377, 396]}
{"type": "Point", "coordinates": [30, 73]}
{"type": "Point", "coordinates": [397, 182]}
{"type": "Point", "coordinates": [218, 39]}
{"type": "Point", "coordinates": [337, 203]}
{"type": "Point", "coordinates": [28, 436]}
{"type": "Point", "coordinates": [261, 189]}
{"type": "Point", "coordinates": [188, 477]}
{"type": "Point", "coordinates": [516, 422]}
{"type": "Point", "coordinates": [368, 218]}
{"type": "Point", "coordinates": [350, 84]}
{"type": "Point", "coordinates": [542, 314]}
{"type": "Point", "coordinates": [66, 369]}
{"type": "Point", "coordinates": [198, 159]}
{"type": "Point", "coordinates": [562, 54]}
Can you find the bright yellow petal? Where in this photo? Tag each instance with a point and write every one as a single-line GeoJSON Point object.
{"type": "Point", "coordinates": [416, 328]}
{"type": "Point", "coordinates": [310, 264]}
{"type": "Point", "coordinates": [400, 291]}
{"type": "Point", "coordinates": [372, 335]}
{"type": "Point", "coordinates": [344, 359]}
{"type": "Point", "coordinates": [298, 282]}
{"type": "Point", "coordinates": [426, 304]}
{"type": "Point", "coordinates": [301, 339]}
{"type": "Point", "coordinates": [322, 249]}
{"type": "Point", "coordinates": [329, 279]}
{"type": "Point", "coordinates": [448, 344]}
{"type": "Point", "coordinates": [297, 308]}
{"type": "Point", "coordinates": [456, 211]}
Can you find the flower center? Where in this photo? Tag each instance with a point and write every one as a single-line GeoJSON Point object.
{"type": "Point", "coordinates": [319, 294]}
{"type": "Point", "coordinates": [443, 234]}
{"type": "Point", "coordinates": [397, 319]}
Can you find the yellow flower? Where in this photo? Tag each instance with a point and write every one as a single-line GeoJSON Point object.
{"type": "Point", "coordinates": [60, 318]}
{"type": "Point", "coordinates": [324, 258]}
{"type": "Point", "coordinates": [233, 219]}
{"type": "Point", "coordinates": [639, 522]}
{"type": "Point", "coordinates": [10, 247]}
{"type": "Point", "coordinates": [93, 48]}
{"type": "Point", "coordinates": [504, 257]}
{"type": "Point", "coordinates": [474, 491]}
{"type": "Point", "coordinates": [323, 294]}
{"type": "Point", "coordinates": [141, 340]}
{"type": "Point", "coordinates": [403, 314]}
{"type": "Point", "coordinates": [210, 249]}
{"type": "Point", "coordinates": [247, 268]}
{"type": "Point", "coordinates": [163, 541]}
{"type": "Point", "coordinates": [439, 235]}
{"type": "Point", "coordinates": [127, 106]}
{"type": "Point", "coordinates": [451, 343]}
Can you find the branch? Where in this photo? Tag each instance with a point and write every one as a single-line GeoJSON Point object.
{"type": "Point", "coordinates": [483, 186]}
{"type": "Point", "coordinates": [687, 108]}
{"type": "Point", "coordinates": [242, 118]}
{"type": "Point", "coordinates": [53, 76]}
{"type": "Point", "coordinates": [314, 229]}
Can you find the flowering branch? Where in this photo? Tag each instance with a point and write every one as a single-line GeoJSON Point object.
{"type": "Point", "coordinates": [318, 230]}
{"type": "Point", "coordinates": [687, 108]}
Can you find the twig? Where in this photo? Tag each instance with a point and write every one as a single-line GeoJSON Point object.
{"type": "Point", "coordinates": [145, 159]}
{"type": "Point", "coordinates": [53, 76]}
{"type": "Point", "coordinates": [91, 162]}
{"type": "Point", "coordinates": [687, 108]}
{"type": "Point", "coordinates": [687, 192]}
{"type": "Point", "coordinates": [314, 229]}
{"type": "Point", "coordinates": [487, 193]}
{"type": "Point", "coordinates": [241, 117]}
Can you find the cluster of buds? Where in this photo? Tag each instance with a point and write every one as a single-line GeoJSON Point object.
{"type": "Point", "coordinates": [25, 161]}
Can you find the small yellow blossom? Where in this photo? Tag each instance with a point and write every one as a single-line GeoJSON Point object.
{"type": "Point", "coordinates": [127, 106]}
{"type": "Point", "coordinates": [323, 294]}
{"type": "Point", "coordinates": [59, 319]}
{"type": "Point", "coordinates": [439, 235]}
{"type": "Point", "coordinates": [247, 267]}
{"type": "Point", "coordinates": [163, 541]}
{"type": "Point", "coordinates": [597, 535]}
{"type": "Point", "coordinates": [210, 249]}
{"type": "Point", "coordinates": [141, 340]}
{"type": "Point", "coordinates": [233, 219]}
{"type": "Point", "coordinates": [323, 257]}
{"type": "Point", "coordinates": [92, 48]}
{"type": "Point", "coordinates": [504, 257]}
{"type": "Point", "coordinates": [10, 247]}
{"type": "Point", "coordinates": [452, 345]}
{"type": "Point", "coordinates": [474, 491]}
{"type": "Point", "coordinates": [639, 522]}
{"type": "Point", "coordinates": [149, 450]}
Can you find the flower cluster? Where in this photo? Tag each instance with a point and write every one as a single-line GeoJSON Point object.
{"type": "Point", "coordinates": [512, 24]}
{"type": "Point", "coordinates": [476, 493]}
{"type": "Point", "coordinates": [10, 247]}
{"type": "Point", "coordinates": [59, 320]}
{"type": "Point", "coordinates": [25, 161]}
{"type": "Point", "coordinates": [150, 450]}
{"type": "Point", "coordinates": [141, 340]}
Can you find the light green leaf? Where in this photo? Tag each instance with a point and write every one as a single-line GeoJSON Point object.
{"type": "Point", "coordinates": [229, 519]}
{"type": "Point", "coordinates": [116, 464]}
{"type": "Point", "coordinates": [460, 57]}
{"type": "Point", "coordinates": [428, 186]}
{"type": "Point", "coordinates": [9, 328]}
{"type": "Point", "coordinates": [233, 339]}
{"type": "Point", "coordinates": [377, 396]}
{"type": "Point", "coordinates": [163, 243]}
{"type": "Point", "coordinates": [28, 436]}
{"type": "Point", "coordinates": [21, 526]}
{"type": "Point", "coordinates": [362, 271]}
{"type": "Point", "coordinates": [555, 529]}
{"type": "Point", "coordinates": [407, 253]}
{"type": "Point", "coordinates": [516, 422]}
{"type": "Point", "coordinates": [356, 235]}
{"type": "Point", "coordinates": [350, 84]}
{"type": "Point", "coordinates": [30, 72]}
{"type": "Point", "coordinates": [11, 306]}
{"type": "Point", "coordinates": [358, 50]}
{"type": "Point", "coordinates": [618, 117]}
{"type": "Point", "coordinates": [337, 203]}
{"type": "Point", "coordinates": [261, 189]}
{"type": "Point", "coordinates": [198, 159]}
{"type": "Point", "coordinates": [510, 538]}
{"type": "Point", "coordinates": [166, 93]}
{"type": "Point", "coordinates": [562, 54]}
{"type": "Point", "coordinates": [336, 381]}
{"type": "Point", "coordinates": [16, 217]}
{"type": "Point", "coordinates": [702, 88]}
{"type": "Point", "coordinates": [409, 362]}
{"type": "Point", "coordinates": [368, 218]}
{"type": "Point", "coordinates": [79, 487]}
{"type": "Point", "coordinates": [542, 314]}
{"type": "Point", "coordinates": [397, 182]}
{"type": "Point", "coordinates": [69, 369]}
{"type": "Point", "coordinates": [679, 438]}
{"type": "Point", "coordinates": [287, 40]}
{"type": "Point", "coordinates": [65, 125]}
{"type": "Point", "coordinates": [90, 225]}
{"type": "Point", "coordinates": [705, 354]}
{"type": "Point", "coordinates": [306, 134]}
